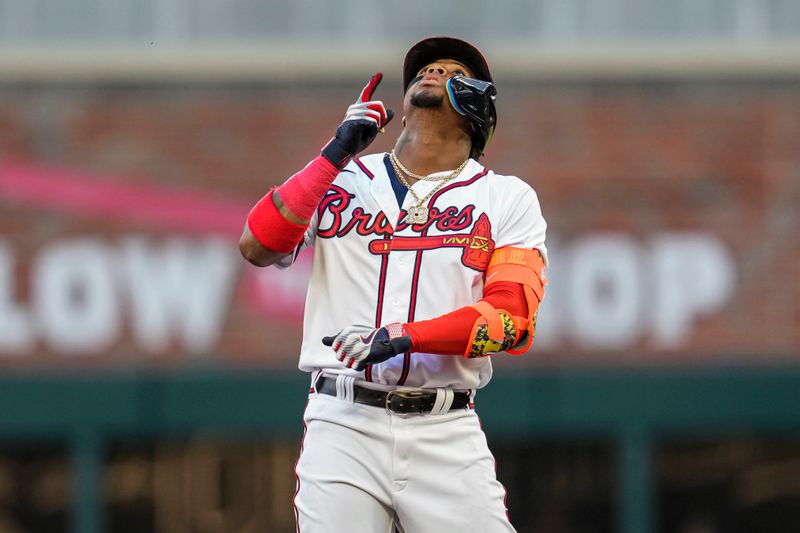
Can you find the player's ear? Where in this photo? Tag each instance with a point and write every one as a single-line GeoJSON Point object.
{"type": "Point", "coordinates": [404, 122]}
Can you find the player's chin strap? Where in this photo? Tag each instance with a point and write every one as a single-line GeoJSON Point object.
{"type": "Point", "coordinates": [496, 330]}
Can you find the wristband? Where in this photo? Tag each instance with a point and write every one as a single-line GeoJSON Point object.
{"type": "Point", "coordinates": [336, 154]}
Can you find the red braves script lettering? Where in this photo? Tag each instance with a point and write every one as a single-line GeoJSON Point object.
{"type": "Point", "coordinates": [338, 200]}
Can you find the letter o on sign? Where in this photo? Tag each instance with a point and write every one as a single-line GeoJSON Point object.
{"type": "Point", "coordinates": [605, 290]}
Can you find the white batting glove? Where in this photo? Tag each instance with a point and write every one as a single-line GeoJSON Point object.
{"type": "Point", "coordinates": [373, 111]}
{"type": "Point", "coordinates": [361, 124]}
{"type": "Point", "coordinates": [360, 346]}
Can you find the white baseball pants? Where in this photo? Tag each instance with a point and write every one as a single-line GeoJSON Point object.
{"type": "Point", "coordinates": [364, 470]}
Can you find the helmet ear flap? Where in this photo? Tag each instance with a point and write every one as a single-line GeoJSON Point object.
{"type": "Point", "coordinates": [475, 100]}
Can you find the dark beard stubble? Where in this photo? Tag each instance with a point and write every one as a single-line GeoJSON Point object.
{"type": "Point", "coordinates": [426, 100]}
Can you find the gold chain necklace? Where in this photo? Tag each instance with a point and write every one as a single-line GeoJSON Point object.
{"type": "Point", "coordinates": [418, 214]}
{"type": "Point", "coordinates": [420, 177]}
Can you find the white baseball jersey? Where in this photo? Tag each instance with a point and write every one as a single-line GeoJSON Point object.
{"type": "Point", "coordinates": [371, 268]}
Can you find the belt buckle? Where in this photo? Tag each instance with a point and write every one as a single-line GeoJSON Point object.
{"type": "Point", "coordinates": [402, 394]}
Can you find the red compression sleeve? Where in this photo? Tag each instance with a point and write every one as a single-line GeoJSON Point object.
{"type": "Point", "coordinates": [303, 192]}
{"type": "Point", "coordinates": [270, 228]}
{"type": "Point", "coordinates": [450, 333]}
{"type": "Point", "coordinates": [300, 194]}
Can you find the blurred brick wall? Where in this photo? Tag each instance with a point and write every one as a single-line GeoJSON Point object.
{"type": "Point", "coordinates": [636, 158]}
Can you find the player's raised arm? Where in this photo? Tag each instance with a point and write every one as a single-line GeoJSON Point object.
{"type": "Point", "coordinates": [277, 223]}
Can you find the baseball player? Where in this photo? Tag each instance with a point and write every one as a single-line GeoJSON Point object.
{"type": "Point", "coordinates": [426, 264]}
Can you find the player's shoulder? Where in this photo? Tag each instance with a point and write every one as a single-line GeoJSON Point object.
{"type": "Point", "coordinates": [509, 183]}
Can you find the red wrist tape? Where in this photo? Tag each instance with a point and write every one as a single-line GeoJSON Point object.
{"type": "Point", "coordinates": [302, 193]}
{"type": "Point", "coordinates": [270, 228]}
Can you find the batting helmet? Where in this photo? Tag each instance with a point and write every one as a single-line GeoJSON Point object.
{"type": "Point", "coordinates": [473, 98]}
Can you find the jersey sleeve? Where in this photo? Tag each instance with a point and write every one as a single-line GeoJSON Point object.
{"type": "Point", "coordinates": [521, 223]}
{"type": "Point", "coordinates": [309, 238]}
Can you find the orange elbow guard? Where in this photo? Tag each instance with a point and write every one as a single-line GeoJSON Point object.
{"type": "Point", "coordinates": [494, 331]}
{"type": "Point", "coordinates": [527, 268]}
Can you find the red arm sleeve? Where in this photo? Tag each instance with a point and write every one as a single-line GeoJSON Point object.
{"type": "Point", "coordinates": [300, 194]}
{"type": "Point", "coordinates": [450, 333]}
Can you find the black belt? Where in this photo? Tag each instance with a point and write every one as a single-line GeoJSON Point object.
{"type": "Point", "coordinates": [396, 401]}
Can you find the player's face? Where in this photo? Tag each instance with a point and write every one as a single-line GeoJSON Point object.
{"type": "Point", "coordinates": [429, 91]}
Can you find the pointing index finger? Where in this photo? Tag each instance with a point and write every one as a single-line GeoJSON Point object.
{"type": "Point", "coordinates": [366, 93]}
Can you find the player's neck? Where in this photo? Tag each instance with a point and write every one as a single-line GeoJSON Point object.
{"type": "Point", "coordinates": [425, 150]}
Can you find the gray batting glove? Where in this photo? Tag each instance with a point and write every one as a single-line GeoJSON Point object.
{"type": "Point", "coordinates": [360, 346]}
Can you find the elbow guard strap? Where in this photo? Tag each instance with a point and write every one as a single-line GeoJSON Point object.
{"type": "Point", "coordinates": [494, 331]}
{"type": "Point", "coordinates": [527, 268]}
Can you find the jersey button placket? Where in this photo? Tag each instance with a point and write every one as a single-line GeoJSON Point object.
{"type": "Point", "coordinates": [401, 261]}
